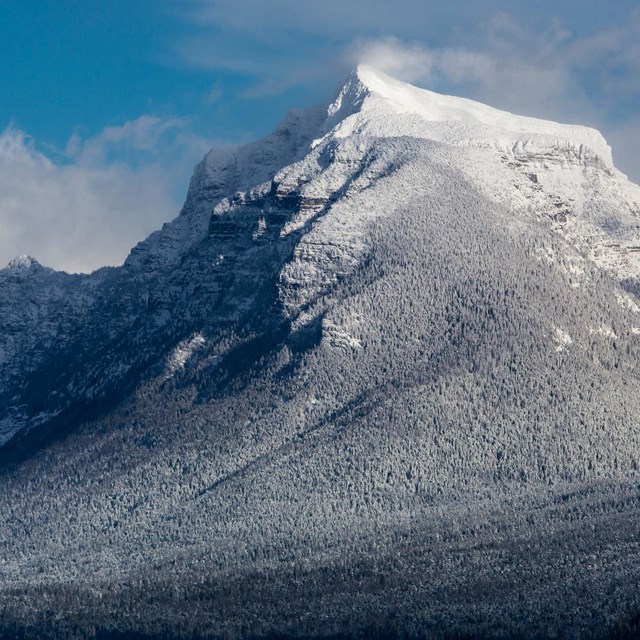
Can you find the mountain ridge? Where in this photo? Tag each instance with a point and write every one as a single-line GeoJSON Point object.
{"type": "Point", "coordinates": [366, 82]}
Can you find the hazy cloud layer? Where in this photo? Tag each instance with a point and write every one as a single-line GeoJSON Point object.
{"type": "Point", "coordinates": [88, 208]}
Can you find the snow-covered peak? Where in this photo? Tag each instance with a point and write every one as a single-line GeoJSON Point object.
{"type": "Point", "coordinates": [376, 101]}
{"type": "Point", "coordinates": [368, 106]}
{"type": "Point", "coordinates": [23, 263]}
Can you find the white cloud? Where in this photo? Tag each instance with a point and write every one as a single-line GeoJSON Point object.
{"type": "Point", "coordinates": [111, 191]}
{"type": "Point", "coordinates": [145, 134]}
{"type": "Point", "coordinates": [407, 61]}
{"type": "Point", "coordinates": [509, 68]}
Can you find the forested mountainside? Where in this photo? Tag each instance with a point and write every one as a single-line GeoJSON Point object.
{"type": "Point", "coordinates": [379, 378]}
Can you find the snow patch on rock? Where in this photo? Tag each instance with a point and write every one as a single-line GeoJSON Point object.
{"type": "Point", "coordinates": [179, 357]}
{"type": "Point", "coordinates": [561, 338]}
{"type": "Point", "coordinates": [604, 331]}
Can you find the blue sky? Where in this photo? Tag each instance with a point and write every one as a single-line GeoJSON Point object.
{"type": "Point", "coordinates": [107, 105]}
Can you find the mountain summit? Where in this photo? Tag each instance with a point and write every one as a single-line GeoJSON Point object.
{"type": "Point", "coordinates": [381, 99]}
{"type": "Point", "coordinates": [383, 358]}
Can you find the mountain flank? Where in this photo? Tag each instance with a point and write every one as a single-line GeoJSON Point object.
{"type": "Point", "coordinates": [380, 378]}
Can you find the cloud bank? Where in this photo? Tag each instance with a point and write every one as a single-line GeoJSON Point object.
{"type": "Point", "coordinates": [87, 207]}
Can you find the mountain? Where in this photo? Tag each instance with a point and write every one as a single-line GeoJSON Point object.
{"type": "Point", "coordinates": [379, 378]}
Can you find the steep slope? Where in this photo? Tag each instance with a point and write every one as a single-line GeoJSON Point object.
{"type": "Point", "coordinates": [118, 323]}
{"type": "Point", "coordinates": [381, 376]}
{"type": "Point", "coordinates": [97, 334]}
{"type": "Point", "coordinates": [39, 309]}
